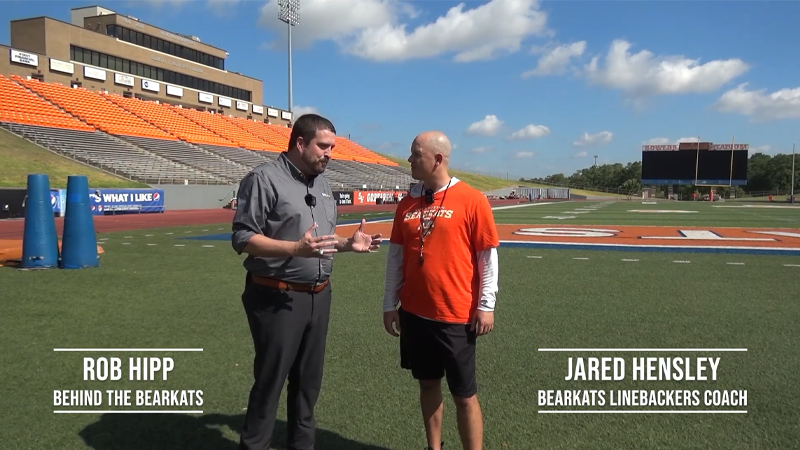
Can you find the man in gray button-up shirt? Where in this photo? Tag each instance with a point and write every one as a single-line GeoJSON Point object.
{"type": "Point", "coordinates": [275, 206]}
{"type": "Point", "coordinates": [286, 221]}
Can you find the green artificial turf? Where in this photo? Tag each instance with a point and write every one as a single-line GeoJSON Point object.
{"type": "Point", "coordinates": [626, 213]}
{"type": "Point", "coordinates": [154, 289]}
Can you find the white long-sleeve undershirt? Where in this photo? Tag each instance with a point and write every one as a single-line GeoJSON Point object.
{"type": "Point", "coordinates": [487, 270]}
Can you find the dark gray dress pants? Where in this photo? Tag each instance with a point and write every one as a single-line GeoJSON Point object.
{"type": "Point", "coordinates": [289, 332]}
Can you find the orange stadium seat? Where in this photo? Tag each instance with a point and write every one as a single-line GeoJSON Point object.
{"type": "Point", "coordinates": [115, 114]}
{"type": "Point", "coordinates": [169, 120]}
{"type": "Point", "coordinates": [273, 134]}
{"type": "Point", "coordinates": [378, 158]}
{"type": "Point", "coordinates": [277, 135]}
{"type": "Point", "coordinates": [93, 109]}
{"type": "Point", "coordinates": [257, 130]}
{"type": "Point", "coordinates": [20, 105]}
{"type": "Point", "coordinates": [225, 128]}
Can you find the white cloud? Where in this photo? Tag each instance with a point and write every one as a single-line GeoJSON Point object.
{"type": "Point", "coordinates": [322, 20]}
{"type": "Point", "coordinates": [645, 74]}
{"type": "Point", "coordinates": [298, 110]}
{"type": "Point", "coordinates": [219, 7]}
{"type": "Point", "coordinates": [525, 154]}
{"type": "Point", "coordinates": [222, 5]}
{"type": "Point", "coordinates": [530, 131]}
{"type": "Point", "coordinates": [760, 105]}
{"type": "Point", "coordinates": [761, 149]}
{"type": "Point", "coordinates": [555, 60]}
{"type": "Point", "coordinates": [486, 127]}
{"type": "Point", "coordinates": [588, 140]}
{"type": "Point", "coordinates": [581, 155]}
{"type": "Point", "coordinates": [656, 141]}
{"type": "Point", "coordinates": [481, 150]}
{"type": "Point", "coordinates": [375, 29]}
{"type": "Point", "coordinates": [160, 3]}
{"type": "Point", "coordinates": [665, 141]}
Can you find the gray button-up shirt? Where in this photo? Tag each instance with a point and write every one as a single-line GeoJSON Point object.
{"type": "Point", "coordinates": [271, 201]}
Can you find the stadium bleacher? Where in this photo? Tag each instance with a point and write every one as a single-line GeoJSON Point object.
{"type": "Point", "coordinates": [113, 155]}
{"type": "Point", "coordinates": [158, 143]}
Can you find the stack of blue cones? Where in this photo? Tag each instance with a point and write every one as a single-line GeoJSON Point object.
{"type": "Point", "coordinates": [40, 240]}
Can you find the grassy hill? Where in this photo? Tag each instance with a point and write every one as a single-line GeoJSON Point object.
{"type": "Point", "coordinates": [20, 157]}
{"type": "Point", "coordinates": [489, 183]}
{"type": "Point", "coordinates": [480, 182]}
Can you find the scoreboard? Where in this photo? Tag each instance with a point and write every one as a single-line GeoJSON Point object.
{"type": "Point", "coordinates": [695, 163]}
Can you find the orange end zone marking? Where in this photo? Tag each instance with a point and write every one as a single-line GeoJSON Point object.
{"type": "Point", "coordinates": [768, 240]}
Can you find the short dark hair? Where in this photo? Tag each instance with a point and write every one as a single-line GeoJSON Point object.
{"type": "Point", "coordinates": [307, 126]}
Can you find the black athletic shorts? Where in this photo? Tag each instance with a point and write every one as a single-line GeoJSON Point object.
{"type": "Point", "coordinates": [432, 349]}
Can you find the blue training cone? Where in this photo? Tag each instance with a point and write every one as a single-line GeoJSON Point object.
{"type": "Point", "coordinates": [79, 244]}
{"type": "Point", "coordinates": [39, 241]}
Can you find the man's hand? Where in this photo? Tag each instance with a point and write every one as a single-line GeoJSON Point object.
{"type": "Point", "coordinates": [310, 246]}
{"type": "Point", "coordinates": [362, 242]}
{"type": "Point", "coordinates": [482, 322]}
{"type": "Point", "coordinates": [391, 321]}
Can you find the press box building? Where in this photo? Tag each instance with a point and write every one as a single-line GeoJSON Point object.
{"type": "Point", "coordinates": [103, 50]}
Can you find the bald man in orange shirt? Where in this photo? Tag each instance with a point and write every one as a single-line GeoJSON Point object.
{"type": "Point", "coordinates": [442, 271]}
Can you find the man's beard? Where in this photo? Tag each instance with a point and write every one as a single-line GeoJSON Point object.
{"type": "Point", "coordinates": [317, 166]}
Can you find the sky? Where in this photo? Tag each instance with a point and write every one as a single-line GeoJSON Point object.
{"type": "Point", "coordinates": [522, 88]}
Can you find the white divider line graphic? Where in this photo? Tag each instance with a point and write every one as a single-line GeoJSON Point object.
{"type": "Point", "coordinates": [127, 412]}
{"type": "Point", "coordinates": [127, 349]}
{"type": "Point", "coordinates": [642, 349]}
{"type": "Point", "coordinates": [640, 412]}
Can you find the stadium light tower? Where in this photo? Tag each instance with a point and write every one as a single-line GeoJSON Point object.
{"type": "Point", "coordinates": [791, 193]}
{"type": "Point", "coordinates": [288, 14]}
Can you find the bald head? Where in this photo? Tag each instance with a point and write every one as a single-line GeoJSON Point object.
{"type": "Point", "coordinates": [430, 154]}
{"type": "Point", "coordinates": [434, 142]}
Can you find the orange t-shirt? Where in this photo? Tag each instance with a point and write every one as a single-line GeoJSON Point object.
{"type": "Point", "coordinates": [447, 286]}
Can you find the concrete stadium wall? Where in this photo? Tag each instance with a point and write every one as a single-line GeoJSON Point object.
{"type": "Point", "coordinates": [178, 196]}
{"type": "Point", "coordinates": [501, 192]}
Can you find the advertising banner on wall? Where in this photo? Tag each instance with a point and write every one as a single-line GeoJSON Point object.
{"type": "Point", "coordinates": [58, 198]}
{"type": "Point", "coordinates": [371, 197]}
{"type": "Point", "coordinates": [126, 201]}
{"type": "Point", "coordinates": [343, 197]}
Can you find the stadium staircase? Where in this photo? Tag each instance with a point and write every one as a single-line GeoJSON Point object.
{"type": "Point", "coordinates": [157, 143]}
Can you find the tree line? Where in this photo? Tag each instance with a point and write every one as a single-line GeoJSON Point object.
{"type": "Point", "coordinates": [765, 173]}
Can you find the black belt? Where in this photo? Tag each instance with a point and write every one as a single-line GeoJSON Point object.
{"type": "Point", "coordinates": [289, 286]}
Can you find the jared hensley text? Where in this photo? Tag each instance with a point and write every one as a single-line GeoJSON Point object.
{"type": "Point", "coordinates": [646, 369]}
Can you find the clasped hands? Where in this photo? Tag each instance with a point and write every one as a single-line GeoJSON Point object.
{"type": "Point", "coordinates": [310, 246]}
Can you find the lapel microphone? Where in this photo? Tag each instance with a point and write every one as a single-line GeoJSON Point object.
{"type": "Point", "coordinates": [429, 196]}
{"type": "Point", "coordinates": [311, 200]}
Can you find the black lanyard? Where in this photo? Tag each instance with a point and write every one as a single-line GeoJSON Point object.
{"type": "Point", "coordinates": [425, 230]}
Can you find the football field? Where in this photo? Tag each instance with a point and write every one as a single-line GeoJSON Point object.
{"type": "Point", "coordinates": [698, 299]}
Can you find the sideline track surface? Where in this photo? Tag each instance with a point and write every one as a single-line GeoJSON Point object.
{"type": "Point", "coordinates": [14, 228]}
